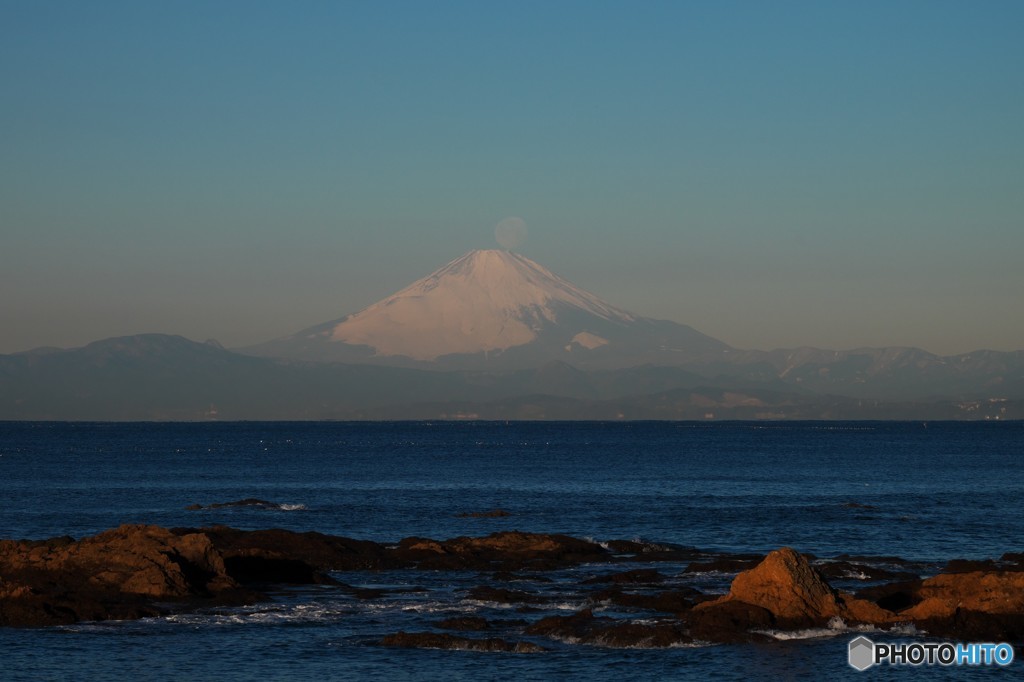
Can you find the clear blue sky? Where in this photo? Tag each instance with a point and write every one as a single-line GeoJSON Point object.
{"type": "Point", "coordinates": [775, 174]}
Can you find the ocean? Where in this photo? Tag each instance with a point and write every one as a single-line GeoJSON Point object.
{"type": "Point", "coordinates": [925, 492]}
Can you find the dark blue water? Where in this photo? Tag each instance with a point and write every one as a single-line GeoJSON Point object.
{"type": "Point", "coordinates": [924, 492]}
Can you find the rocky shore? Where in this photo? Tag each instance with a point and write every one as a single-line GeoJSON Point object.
{"type": "Point", "coordinates": [629, 592]}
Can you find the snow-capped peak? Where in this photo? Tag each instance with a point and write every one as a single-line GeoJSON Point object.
{"type": "Point", "coordinates": [485, 300]}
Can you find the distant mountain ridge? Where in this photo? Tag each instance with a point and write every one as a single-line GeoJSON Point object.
{"type": "Point", "coordinates": [160, 377]}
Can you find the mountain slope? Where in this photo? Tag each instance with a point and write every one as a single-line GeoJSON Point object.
{"type": "Point", "coordinates": [483, 301]}
{"type": "Point", "coordinates": [495, 309]}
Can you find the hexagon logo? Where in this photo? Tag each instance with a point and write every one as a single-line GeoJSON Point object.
{"type": "Point", "coordinates": [862, 653]}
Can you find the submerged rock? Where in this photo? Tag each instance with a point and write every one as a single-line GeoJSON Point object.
{"type": "Point", "coordinates": [850, 570]}
{"type": "Point", "coordinates": [500, 595]}
{"type": "Point", "coordinates": [247, 502]}
{"type": "Point", "coordinates": [727, 564]}
{"type": "Point", "coordinates": [465, 623]}
{"type": "Point", "coordinates": [492, 514]}
{"type": "Point", "coordinates": [435, 640]}
{"type": "Point", "coordinates": [584, 628]}
{"type": "Point", "coordinates": [642, 576]}
{"type": "Point", "coordinates": [645, 550]}
{"type": "Point", "coordinates": [668, 601]}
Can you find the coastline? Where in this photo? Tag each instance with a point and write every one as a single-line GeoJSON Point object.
{"type": "Point", "coordinates": [627, 593]}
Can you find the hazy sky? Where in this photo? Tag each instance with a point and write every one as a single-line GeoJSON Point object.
{"type": "Point", "coordinates": [775, 174]}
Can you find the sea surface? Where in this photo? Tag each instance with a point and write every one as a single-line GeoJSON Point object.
{"type": "Point", "coordinates": [926, 492]}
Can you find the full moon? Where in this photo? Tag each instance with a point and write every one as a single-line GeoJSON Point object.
{"type": "Point", "coordinates": [510, 233]}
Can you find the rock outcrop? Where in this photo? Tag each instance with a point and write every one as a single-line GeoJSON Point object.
{"type": "Point", "coordinates": [505, 551]}
{"type": "Point", "coordinates": [979, 605]}
{"type": "Point", "coordinates": [794, 592]}
{"type": "Point", "coordinates": [791, 592]}
{"type": "Point", "coordinates": [137, 571]}
{"type": "Point", "coordinates": [785, 592]}
{"type": "Point", "coordinates": [121, 573]}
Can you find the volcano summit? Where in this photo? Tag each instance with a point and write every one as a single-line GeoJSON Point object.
{"type": "Point", "coordinates": [495, 309]}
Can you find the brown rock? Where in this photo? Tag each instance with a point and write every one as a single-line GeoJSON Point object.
{"type": "Point", "coordinates": [117, 574]}
{"type": "Point", "coordinates": [979, 591]}
{"type": "Point", "coordinates": [144, 560]}
{"type": "Point", "coordinates": [787, 585]}
{"type": "Point", "coordinates": [127, 572]}
{"type": "Point", "coordinates": [976, 606]}
{"type": "Point", "coordinates": [861, 611]}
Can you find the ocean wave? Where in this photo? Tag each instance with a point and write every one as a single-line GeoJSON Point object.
{"type": "Point", "coordinates": [313, 612]}
{"type": "Point", "coordinates": [600, 543]}
{"type": "Point", "coordinates": [607, 641]}
{"type": "Point", "coordinates": [428, 607]}
{"type": "Point", "coordinates": [515, 606]}
{"type": "Point", "coordinates": [835, 627]}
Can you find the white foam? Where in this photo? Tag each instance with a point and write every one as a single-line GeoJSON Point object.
{"type": "Point", "coordinates": [835, 627]}
{"type": "Point", "coordinates": [603, 641]}
{"type": "Point", "coordinates": [313, 612]}
{"type": "Point", "coordinates": [555, 606]}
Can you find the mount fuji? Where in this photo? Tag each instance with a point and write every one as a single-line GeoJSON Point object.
{"type": "Point", "coordinates": [494, 335]}
{"type": "Point", "coordinates": [495, 309]}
